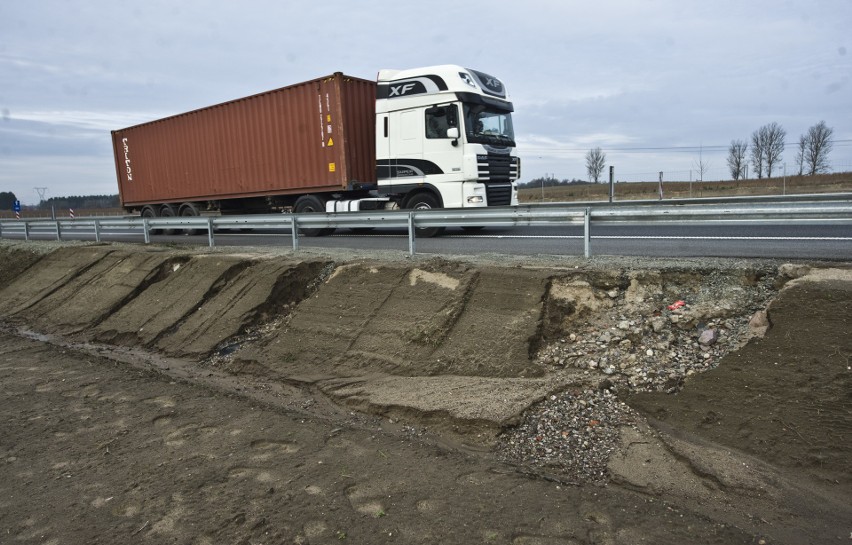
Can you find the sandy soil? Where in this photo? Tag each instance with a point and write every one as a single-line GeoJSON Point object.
{"type": "Point", "coordinates": [163, 396]}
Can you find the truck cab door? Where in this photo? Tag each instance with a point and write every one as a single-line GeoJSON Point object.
{"type": "Point", "coordinates": [442, 154]}
{"type": "Point", "coordinates": [404, 149]}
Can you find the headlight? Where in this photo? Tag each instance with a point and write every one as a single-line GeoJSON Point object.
{"type": "Point", "coordinates": [476, 199]}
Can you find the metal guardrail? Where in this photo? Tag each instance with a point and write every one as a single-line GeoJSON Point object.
{"type": "Point", "coordinates": [730, 210]}
{"type": "Point", "coordinates": [790, 200]}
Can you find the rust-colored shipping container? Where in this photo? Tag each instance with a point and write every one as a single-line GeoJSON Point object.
{"type": "Point", "coordinates": [316, 136]}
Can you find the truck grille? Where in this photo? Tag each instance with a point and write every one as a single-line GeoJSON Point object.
{"type": "Point", "coordinates": [498, 194]}
{"type": "Point", "coordinates": [498, 168]}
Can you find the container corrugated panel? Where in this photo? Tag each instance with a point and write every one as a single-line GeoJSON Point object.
{"type": "Point", "coordinates": [311, 137]}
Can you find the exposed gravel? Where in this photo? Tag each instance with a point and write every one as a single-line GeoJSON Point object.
{"type": "Point", "coordinates": [627, 348]}
{"type": "Point", "coordinates": [572, 434]}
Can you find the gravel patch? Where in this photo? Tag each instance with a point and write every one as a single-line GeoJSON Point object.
{"type": "Point", "coordinates": [625, 349]}
{"type": "Point", "coordinates": [572, 434]}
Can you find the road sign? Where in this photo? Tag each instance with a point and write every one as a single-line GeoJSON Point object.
{"type": "Point", "coordinates": [17, 206]}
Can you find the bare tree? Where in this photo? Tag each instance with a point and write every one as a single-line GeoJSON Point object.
{"type": "Point", "coordinates": [818, 145]}
{"type": "Point", "coordinates": [767, 145]}
{"type": "Point", "coordinates": [775, 136]}
{"type": "Point", "coordinates": [800, 154]}
{"type": "Point", "coordinates": [701, 165]}
{"type": "Point", "coordinates": [737, 158]}
{"type": "Point", "coordinates": [757, 152]}
{"type": "Point", "coordinates": [595, 163]}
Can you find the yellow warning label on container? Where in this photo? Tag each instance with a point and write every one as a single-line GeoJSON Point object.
{"type": "Point", "coordinates": [332, 167]}
{"type": "Point", "coordinates": [330, 142]}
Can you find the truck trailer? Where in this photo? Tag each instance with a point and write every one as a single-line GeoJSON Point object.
{"type": "Point", "coordinates": [434, 137]}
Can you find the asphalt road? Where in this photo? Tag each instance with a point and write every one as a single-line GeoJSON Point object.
{"type": "Point", "coordinates": [831, 241]}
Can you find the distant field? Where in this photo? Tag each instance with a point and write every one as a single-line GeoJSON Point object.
{"type": "Point", "coordinates": [624, 191]}
{"type": "Point", "coordinates": [825, 183]}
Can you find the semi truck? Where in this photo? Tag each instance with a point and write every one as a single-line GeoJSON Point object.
{"type": "Point", "coordinates": [433, 137]}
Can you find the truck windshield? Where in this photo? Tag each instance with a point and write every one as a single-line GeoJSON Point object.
{"type": "Point", "coordinates": [485, 125]}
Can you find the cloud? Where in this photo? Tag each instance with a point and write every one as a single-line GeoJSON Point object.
{"type": "Point", "coordinates": [87, 120]}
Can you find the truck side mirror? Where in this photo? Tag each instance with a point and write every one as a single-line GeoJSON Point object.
{"type": "Point", "coordinates": [453, 132]}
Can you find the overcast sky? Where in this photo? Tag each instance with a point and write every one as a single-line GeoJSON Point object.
{"type": "Point", "coordinates": [650, 82]}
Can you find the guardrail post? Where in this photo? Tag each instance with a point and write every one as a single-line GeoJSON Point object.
{"type": "Point", "coordinates": [97, 231]}
{"type": "Point", "coordinates": [58, 231]}
{"type": "Point", "coordinates": [411, 234]}
{"type": "Point", "coordinates": [294, 233]}
{"type": "Point", "coordinates": [210, 239]}
{"type": "Point", "coordinates": [146, 231]}
{"type": "Point", "coordinates": [587, 235]}
{"type": "Point", "coordinates": [26, 230]}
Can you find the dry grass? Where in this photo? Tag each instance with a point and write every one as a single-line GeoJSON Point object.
{"type": "Point", "coordinates": [825, 183]}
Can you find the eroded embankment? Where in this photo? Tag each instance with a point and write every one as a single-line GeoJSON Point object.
{"type": "Point", "coordinates": [547, 356]}
{"type": "Point", "coordinates": [436, 341]}
{"type": "Point", "coordinates": [312, 321]}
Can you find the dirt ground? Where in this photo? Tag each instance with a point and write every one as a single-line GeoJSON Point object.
{"type": "Point", "coordinates": [163, 396]}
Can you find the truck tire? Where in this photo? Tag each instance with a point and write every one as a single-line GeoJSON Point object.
{"type": "Point", "coordinates": [189, 210]}
{"type": "Point", "coordinates": [149, 212]}
{"type": "Point", "coordinates": [307, 204]}
{"type": "Point", "coordinates": [424, 201]}
{"type": "Point", "coordinates": [168, 211]}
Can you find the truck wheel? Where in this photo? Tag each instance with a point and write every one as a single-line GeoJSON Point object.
{"type": "Point", "coordinates": [168, 211]}
{"type": "Point", "coordinates": [311, 203]}
{"type": "Point", "coordinates": [148, 212]}
{"type": "Point", "coordinates": [189, 210]}
{"type": "Point", "coordinates": [424, 201]}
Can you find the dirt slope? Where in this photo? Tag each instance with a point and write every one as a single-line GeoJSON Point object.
{"type": "Point", "coordinates": [782, 404]}
{"type": "Point", "coordinates": [210, 397]}
{"type": "Point", "coordinates": [788, 400]}
{"type": "Point", "coordinates": [94, 452]}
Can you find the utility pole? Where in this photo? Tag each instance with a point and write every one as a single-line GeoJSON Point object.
{"type": "Point", "coordinates": [611, 183]}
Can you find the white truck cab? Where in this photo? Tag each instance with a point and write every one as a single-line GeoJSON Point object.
{"type": "Point", "coordinates": [444, 139]}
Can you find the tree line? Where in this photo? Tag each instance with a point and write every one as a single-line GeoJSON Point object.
{"type": "Point", "coordinates": [7, 201]}
{"type": "Point", "coordinates": [82, 201]}
{"type": "Point", "coordinates": [764, 152]}
{"type": "Point", "coordinates": [549, 181]}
